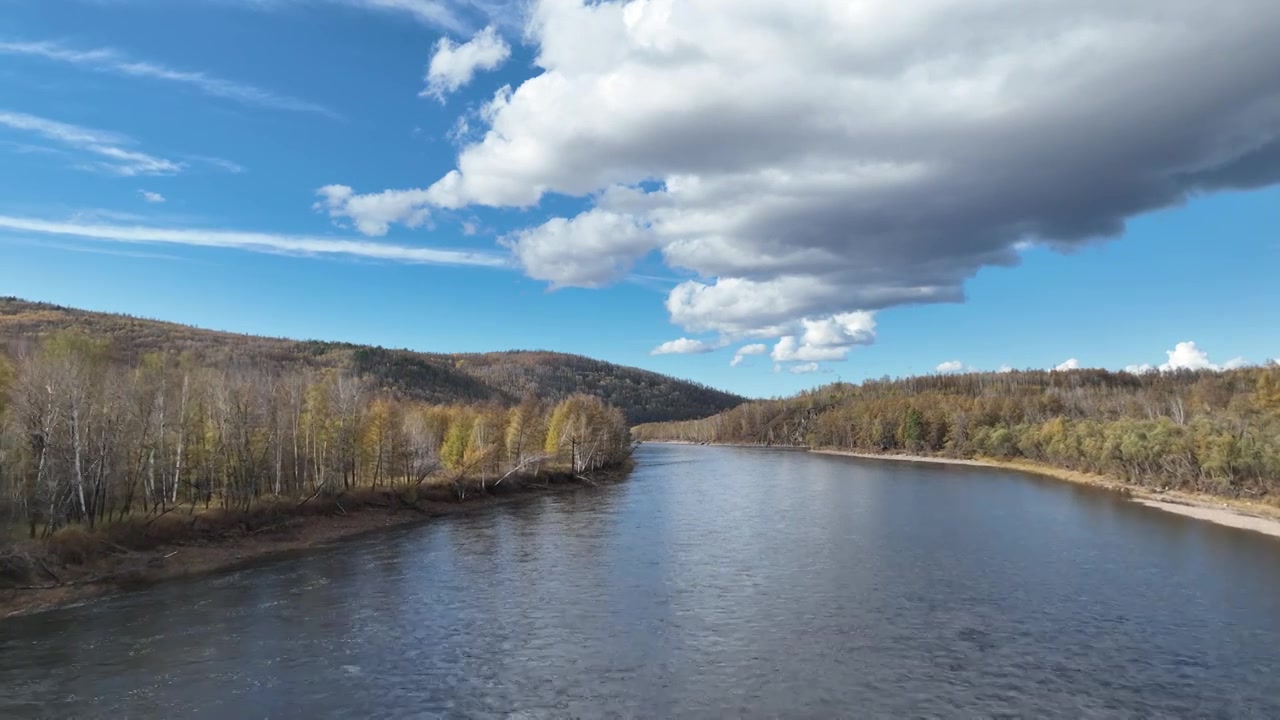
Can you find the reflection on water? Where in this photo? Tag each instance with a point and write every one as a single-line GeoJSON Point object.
{"type": "Point", "coordinates": [716, 582]}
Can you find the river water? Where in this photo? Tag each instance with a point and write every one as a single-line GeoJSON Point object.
{"type": "Point", "coordinates": [715, 582]}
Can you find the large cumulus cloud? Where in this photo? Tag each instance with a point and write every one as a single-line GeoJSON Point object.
{"type": "Point", "coordinates": [803, 160]}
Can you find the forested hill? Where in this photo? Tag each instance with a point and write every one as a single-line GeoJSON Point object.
{"type": "Point", "coordinates": [504, 377]}
{"type": "Point", "coordinates": [1205, 431]}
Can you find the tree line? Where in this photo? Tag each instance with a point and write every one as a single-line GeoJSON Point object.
{"type": "Point", "coordinates": [88, 439]}
{"type": "Point", "coordinates": [1205, 431]}
{"type": "Point", "coordinates": [503, 377]}
{"type": "Point", "coordinates": [644, 396]}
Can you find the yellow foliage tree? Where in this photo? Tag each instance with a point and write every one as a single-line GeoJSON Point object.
{"type": "Point", "coordinates": [377, 437]}
{"type": "Point", "coordinates": [587, 433]}
{"type": "Point", "coordinates": [457, 438]}
{"type": "Point", "coordinates": [1267, 394]}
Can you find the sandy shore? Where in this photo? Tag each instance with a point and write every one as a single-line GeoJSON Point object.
{"type": "Point", "coordinates": [1223, 511]}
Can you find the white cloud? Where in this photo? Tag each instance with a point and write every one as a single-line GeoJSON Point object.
{"type": "Point", "coordinates": [151, 197]}
{"type": "Point", "coordinates": [1005, 369]}
{"type": "Point", "coordinates": [807, 159]}
{"type": "Point", "coordinates": [453, 65]}
{"type": "Point", "coordinates": [852, 328]}
{"type": "Point", "coordinates": [950, 366]}
{"type": "Point", "coordinates": [805, 368]}
{"type": "Point", "coordinates": [736, 306]}
{"type": "Point", "coordinates": [822, 339]}
{"type": "Point", "coordinates": [1188, 356]}
{"type": "Point", "coordinates": [372, 214]}
{"type": "Point", "coordinates": [251, 241]}
{"type": "Point", "coordinates": [745, 307]}
{"type": "Point", "coordinates": [113, 61]}
{"type": "Point", "coordinates": [1069, 364]}
{"type": "Point", "coordinates": [685, 346]}
{"type": "Point", "coordinates": [746, 350]}
{"type": "Point", "coordinates": [104, 149]}
{"type": "Point", "coordinates": [788, 349]}
{"type": "Point", "coordinates": [591, 250]}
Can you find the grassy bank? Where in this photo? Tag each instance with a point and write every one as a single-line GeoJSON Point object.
{"type": "Point", "coordinates": [77, 563]}
{"type": "Point", "coordinates": [1263, 517]}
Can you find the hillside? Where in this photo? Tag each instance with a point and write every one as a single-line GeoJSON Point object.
{"type": "Point", "coordinates": [1202, 431]}
{"type": "Point", "coordinates": [505, 377]}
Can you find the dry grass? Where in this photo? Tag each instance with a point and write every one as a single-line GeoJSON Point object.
{"type": "Point", "coordinates": [74, 545]}
{"type": "Point", "coordinates": [182, 543]}
{"type": "Point", "coordinates": [79, 545]}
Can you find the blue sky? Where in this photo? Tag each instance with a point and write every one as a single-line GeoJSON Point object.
{"type": "Point", "coordinates": [604, 212]}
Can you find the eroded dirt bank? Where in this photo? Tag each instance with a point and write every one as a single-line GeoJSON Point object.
{"type": "Point", "coordinates": [182, 543]}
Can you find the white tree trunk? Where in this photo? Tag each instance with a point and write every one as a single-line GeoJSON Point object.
{"type": "Point", "coordinates": [78, 454]}
{"type": "Point", "coordinates": [182, 440]}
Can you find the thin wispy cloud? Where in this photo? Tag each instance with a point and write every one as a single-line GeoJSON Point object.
{"type": "Point", "coordinates": [443, 14]}
{"type": "Point", "coordinates": [655, 283]}
{"type": "Point", "coordinates": [457, 16]}
{"type": "Point", "coordinates": [113, 61]}
{"type": "Point", "coordinates": [22, 148]}
{"type": "Point", "coordinates": [253, 242]}
{"type": "Point", "coordinates": [433, 12]}
{"type": "Point", "coordinates": [104, 150]}
{"type": "Point", "coordinates": [151, 216]}
{"type": "Point", "coordinates": [89, 249]}
{"type": "Point", "coordinates": [223, 164]}
{"type": "Point", "coordinates": [60, 131]}
{"type": "Point", "coordinates": [90, 216]}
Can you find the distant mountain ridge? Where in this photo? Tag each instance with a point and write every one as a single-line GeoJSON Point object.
{"type": "Point", "coordinates": [642, 395]}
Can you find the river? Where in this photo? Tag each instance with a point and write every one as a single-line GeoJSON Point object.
{"type": "Point", "coordinates": [714, 582]}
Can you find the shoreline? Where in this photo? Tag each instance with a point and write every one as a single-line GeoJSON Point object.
{"type": "Point", "coordinates": [762, 446]}
{"type": "Point", "coordinates": [138, 569]}
{"type": "Point", "coordinates": [1228, 512]}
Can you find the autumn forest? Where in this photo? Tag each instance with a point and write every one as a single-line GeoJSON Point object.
{"type": "Point", "coordinates": [88, 441]}
{"type": "Point", "coordinates": [119, 434]}
{"type": "Point", "coordinates": [1200, 431]}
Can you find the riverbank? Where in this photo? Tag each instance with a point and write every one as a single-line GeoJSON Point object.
{"type": "Point", "coordinates": [216, 543]}
{"type": "Point", "coordinates": [1242, 514]}
{"type": "Point", "coordinates": [762, 446]}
